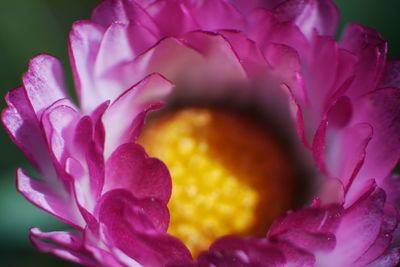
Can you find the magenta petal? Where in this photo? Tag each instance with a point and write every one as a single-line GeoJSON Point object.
{"type": "Point", "coordinates": [219, 55]}
{"type": "Point", "coordinates": [170, 57]}
{"type": "Point", "coordinates": [47, 198]}
{"type": "Point", "coordinates": [248, 5]}
{"type": "Point", "coordinates": [297, 114]}
{"type": "Point", "coordinates": [66, 239]}
{"type": "Point", "coordinates": [122, 203]}
{"type": "Point", "coordinates": [107, 258]}
{"type": "Point", "coordinates": [84, 43]}
{"type": "Point", "coordinates": [364, 220]}
{"type": "Point", "coordinates": [99, 130]}
{"type": "Point", "coordinates": [265, 29]}
{"type": "Point", "coordinates": [110, 11]}
{"type": "Point", "coordinates": [172, 17]}
{"type": "Point", "coordinates": [63, 244]}
{"type": "Point", "coordinates": [319, 219]}
{"type": "Point", "coordinates": [58, 124]}
{"type": "Point", "coordinates": [310, 15]}
{"type": "Point", "coordinates": [114, 49]}
{"type": "Point", "coordinates": [382, 109]}
{"type": "Point", "coordinates": [44, 82]}
{"type": "Point", "coordinates": [250, 56]}
{"type": "Point", "coordinates": [130, 226]}
{"type": "Point", "coordinates": [319, 76]}
{"type": "Point", "coordinates": [211, 15]}
{"type": "Point", "coordinates": [370, 49]}
{"type": "Point", "coordinates": [96, 168]}
{"type": "Point", "coordinates": [391, 75]}
{"type": "Point", "coordinates": [356, 37]}
{"type": "Point", "coordinates": [389, 259]}
{"type": "Point", "coordinates": [285, 63]}
{"type": "Point", "coordinates": [346, 151]}
{"type": "Point", "coordinates": [309, 241]}
{"type": "Point", "coordinates": [23, 127]}
{"type": "Point", "coordinates": [131, 168]}
{"type": "Point", "coordinates": [294, 255]}
{"type": "Point", "coordinates": [121, 43]}
{"type": "Point", "coordinates": [384, 240]}
{"type": "Point", "coordinates": [136, 102]}
{"type": "Point", "coordinates": [236, 251]}
{"type": "Point", "coordinates": [391, 185]}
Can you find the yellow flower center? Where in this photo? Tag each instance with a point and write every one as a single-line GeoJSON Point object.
{"type": "Point", "coordinates": [229, 175]}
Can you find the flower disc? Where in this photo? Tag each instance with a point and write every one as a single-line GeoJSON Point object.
{"type": "Point", "coordinates": [230, 176]}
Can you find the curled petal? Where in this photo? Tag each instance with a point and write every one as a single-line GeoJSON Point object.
{"type": "Point", "coordinates": [62, 244]}
{"type": "Point", "coordinates": [129, 167]}
{"type": "Point", "coordinates": [136, 102]}
{"type": "Point", "coordinates": [48, 198]}
{"type": "Point", "coordinates": [130, 225]}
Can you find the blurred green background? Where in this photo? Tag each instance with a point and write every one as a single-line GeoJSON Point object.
{"type": "Point", "coordinates": [29, 27]}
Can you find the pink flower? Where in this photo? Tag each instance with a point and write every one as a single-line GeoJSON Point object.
{"type": "Point", "coordinates": [342, 95]}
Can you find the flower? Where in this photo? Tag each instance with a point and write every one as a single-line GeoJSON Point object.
{"type": "Point", "coordinates": [342, 95]}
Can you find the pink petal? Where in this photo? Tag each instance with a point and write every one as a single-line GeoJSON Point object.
{"type": "Point", "coordinates": [309, 241]}
{"type": "Point", "coordinates": [331, 192]}
{"type": "Point", "coordinates": [391, 185]}
{"type": "Point", "coordinates": [310, 15]}
{"type": "Point", "coordinates": [58, 123]}
{"type": "Point", "coordinates": [121, 43]}
{"type": "Point", "coordinates": [363, 220]}
{"type": "Point", "coordinates": [44, 82]}
{"type": "Point", "coordinates": [125, 11]}
{"type": "Point", "coordinates": [63, 244]}
{"type": "Point", "coordinates": [250, 57]}
{"type": "Point", "coordinates": [99, 131]}
{"type": "Point", "coordinates": [382, 109]}
{"type": "Point", "coordinates": [384, 240]}
{"type": "Point", "coordinates": [265, 29]}
{"type": "Point", "coordinates": [84, 44]}
{"type": "Point", "coordinates": [389, 259]}
{"type": "Point", "coordinates": [23, 127]}
{"type": "Point", "coordinates": [49, 199]}
{"type": "Point", "coordinates": [172, 17]}
{"type": "Point", "coordinates": [346, 151]}
{"type": "Point", "coordinates": [136, 102]}
{"type": "Point", "coordinates": [169, 57]}
{"type": "Point", "coordinates": [107, 258]}
{"type": "Point", "coordinates": [114, 49]}
{"type": "Point", "coordinates": [391, 75]}
{"type": "Point", "coordinates": [130, 168]}
{"type": "Point", "coordinates": [294, 255]}
{"type": "Point", "coordinates": [96, 170]}
{"type": "Point", "coordinates": [67, 239]}
{"type": "Point", "coordinates": [246, 6]}
{"type": "Point", "coordinates": [218, 52]}
{"type": "Point", "coordinates": [236, 251]}
{"type": "Point", "coordinates": [370, 48]}
{"type": "Point", "coordinates": [212, 15]}
{"type": "Point", "coordinates": [319, 219]}
{"type": "Point", "coordinates": [130, 225]}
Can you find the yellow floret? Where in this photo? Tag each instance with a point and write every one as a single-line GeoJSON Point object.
{"type": "Point", "coordinates": [229, 175]}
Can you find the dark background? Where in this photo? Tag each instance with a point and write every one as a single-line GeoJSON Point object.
{"type": "Point", "coordinates": [30, 27]}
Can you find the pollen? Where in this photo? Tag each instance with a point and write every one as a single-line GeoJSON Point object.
{"type": "Point", "coordinates": [229, 175]}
